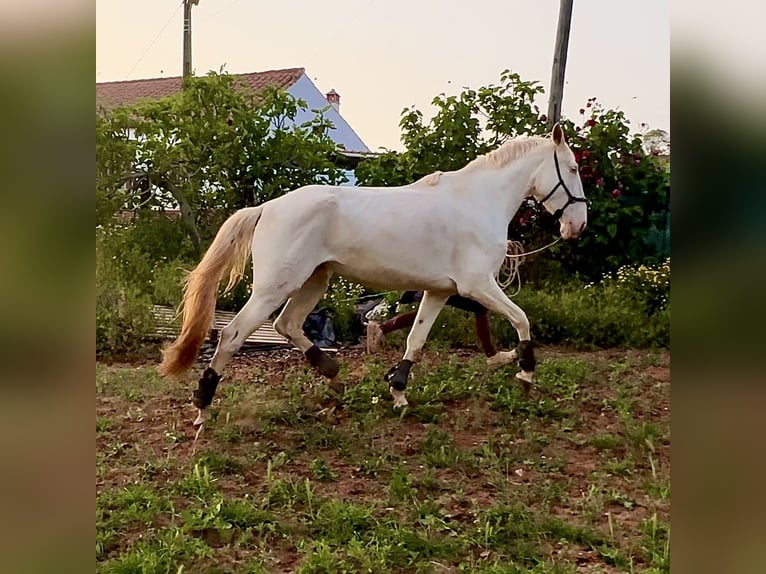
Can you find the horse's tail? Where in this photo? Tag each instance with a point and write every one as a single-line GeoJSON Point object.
{"type": "Point", "coordinates": [230, 251]}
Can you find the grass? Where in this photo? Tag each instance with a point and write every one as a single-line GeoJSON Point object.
{"type": "Point", "coordinates": [475, 476]}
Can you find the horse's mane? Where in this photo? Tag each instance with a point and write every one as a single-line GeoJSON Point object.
{"type": "Point", "coordinates": [508, 151]}
{"type": "Point", "coordinates": [500, 157]}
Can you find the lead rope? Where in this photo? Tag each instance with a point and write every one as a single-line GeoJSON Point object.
{"type": "Point", "coordinates": [514, 257]}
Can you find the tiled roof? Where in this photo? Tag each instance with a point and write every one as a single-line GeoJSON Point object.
{"type": "Point", "coordinates": [111, 94]}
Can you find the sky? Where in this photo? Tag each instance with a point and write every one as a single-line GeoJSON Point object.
{"type": "Point", "coordinates": [384, 55]}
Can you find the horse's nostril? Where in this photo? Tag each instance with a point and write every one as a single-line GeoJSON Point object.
{"type": "Point", "coordinates": [582, 227]}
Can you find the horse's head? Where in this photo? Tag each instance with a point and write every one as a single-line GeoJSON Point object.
{"type": "Point", "coordinates": [557, 186]}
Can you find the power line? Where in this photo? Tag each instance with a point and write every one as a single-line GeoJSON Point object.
{"type": "Point", "coordinates": [229, 5]}
{"type": "Point", "coordinates": [155, 39]}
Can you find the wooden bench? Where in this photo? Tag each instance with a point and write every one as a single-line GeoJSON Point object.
{"type": "Point", "coordinates": [168, 325]}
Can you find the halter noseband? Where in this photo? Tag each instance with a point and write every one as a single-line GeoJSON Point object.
{"type": "Point", "coordinates": [571, 198]}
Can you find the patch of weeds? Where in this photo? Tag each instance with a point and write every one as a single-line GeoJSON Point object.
{"type": "Point", "coordinates": [200, 483]}
{"type": "Point", "coordinates": [289, 493]}
{"type": "Point", "coordinates": [220, 521]}
{"type": "Point", "coordinates": [321, 436]}
{"type": "Point", "coordinates": [446, 381]}
{"type": "Point", "coordinates": [276, 462]}
{"type": "Point", "coordinates": [282, 411]}
{"type": "Point", "coordinates": [106, 541]}
{"type": "Point", "coordinates": [220, 463]}
{"type": "Point", "coordinates": [133, 504]}
{"type": "Point", "coordinates": [119, 510]}
{"type": "Point", "coordinates": [439, 452]}
{"type": "Point", "coordinates": [207, 518]}
{"type": "Point", "coordinates": [429, 482]}
{"type": "Point", "coordinates": [409, 548]}
{"type": "Point", "coordinates": [624, 406]}
{"type": "Point", "coordinates": [618, 369]}
{"type": "Point", "coordinates": [620, 466]}
{"type": "Point", "coordinates": [166, 551]}
{"type": "Point", "coordinates": [428, 413]}
{"type": "Point", "coordinates": [131, 394]}
{"type": "Point", "coordinates": [322, 471]}
{"type": "Point", "coordinates": [152, 468]}
{"type": "Point", "coordinates": [233, 392]}
{"type": "Point", "coordinates": [245, 514]}
{"type": "Point", "coordinates": [605, 441]}
{"type": "Point", "coordinates": [508, 529]}
{"type": "Point", "coordinates": [322, 558]}
{"type": "Point", "coordinates": [337, 522]}
{"type": "Point", "coordinates": [511, 401]}
{"type": "Point", "coordinates": [592, 501]}
{"type": "Point", "coordinates": [655, 544]}
{"type": "Point", "coordinates": [616, 497]}
{"type": "Point", "coordinates": [103, 426]}
{"type": "Point", "coordinates": [643, 434]}
{"type": "Point", "coordinates": [550, 492]}
{"type": "Point", "coordinates": [562, 378]}
{"type": "Point", "coordinates": [400, 488]}
{"type": "Point", "coordinates": [174, 435]}
{"type": "Point", "coordinates": [555, 528]}
{"type": "Point", "coordinates": [657, 487]}
{"type": "Point", "coordinates": [431, 515]}
{"type": "Point", "coordinates": [504, 567]}
{"type": "Point", "coordinates": [368, 394]}
{"type": "Point", "coordinates": [650, 359]}
{"type": "Point", "coordinates": [375, 462]}
{"type": "Point", "coordinates": [229, 433]}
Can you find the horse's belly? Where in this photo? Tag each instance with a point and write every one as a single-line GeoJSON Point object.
{"type": "Point", "coordinates": [389, 277]}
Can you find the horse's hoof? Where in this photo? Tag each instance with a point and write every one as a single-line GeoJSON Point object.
{"type": "Point", "coordinates": [502, 358]}
{"type": "Point", "coordinates": [399, 398]}
{"type": "Point", "coordinates": [526, 377]}
{"type": "Point", "coordinates": [202, 416]}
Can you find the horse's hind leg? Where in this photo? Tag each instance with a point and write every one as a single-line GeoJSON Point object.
{"type": "Point", "coordinates": [250, 317]}
{"type": "Point", "coordinates": [289, 324]}
{"type": "Point", "coordinates": [397, 377]}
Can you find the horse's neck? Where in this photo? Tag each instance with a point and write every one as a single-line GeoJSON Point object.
{"type": "Point", "coordinates": [501, 189]}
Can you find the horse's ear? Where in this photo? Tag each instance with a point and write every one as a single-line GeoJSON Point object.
{"type": "Point", "coordinates": [558, 134]}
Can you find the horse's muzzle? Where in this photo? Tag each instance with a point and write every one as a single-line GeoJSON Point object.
{"type": "Point", "coordinates": [571, 231]}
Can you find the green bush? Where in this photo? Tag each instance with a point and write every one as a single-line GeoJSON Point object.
{"type": "Point", "coordinates": [341, 298]}
{"type": "Point", "coordinates": [123, 313]}
{"type": "Point", "coordinates": [629, 309]}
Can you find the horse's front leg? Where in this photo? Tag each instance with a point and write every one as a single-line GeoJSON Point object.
{"type": "Point", "coordinates": [397, 377]}
{"type": "Point", "coordinates": [488, 293]}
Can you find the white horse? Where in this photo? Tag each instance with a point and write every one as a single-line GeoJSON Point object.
{"type": "Point", "coordinates": [444, 234]}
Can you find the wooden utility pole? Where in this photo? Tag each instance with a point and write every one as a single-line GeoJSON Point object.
{"type": "Point", "coordinates": [187, 69]}
{"type": "Point", "coordinates": [559, 62]}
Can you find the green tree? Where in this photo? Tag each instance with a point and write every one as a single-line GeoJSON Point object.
{"type": "Point", "coordinates": [464, 126]}
{"type": "Point", "coordinates": [211, 149]}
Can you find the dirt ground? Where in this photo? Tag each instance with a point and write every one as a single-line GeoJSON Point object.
{"type": "Point", "coordinates": [583, 459]}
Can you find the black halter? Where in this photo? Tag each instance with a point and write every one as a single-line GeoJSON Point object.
{"type": "Point", "coordinates": [572, 199]}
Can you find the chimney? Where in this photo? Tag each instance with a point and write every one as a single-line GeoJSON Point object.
{"type": "Point", "coordinates": [333, 98]}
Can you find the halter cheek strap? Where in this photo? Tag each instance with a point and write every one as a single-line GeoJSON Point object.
{"type": "Point", "coordinates": [570, 197]}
